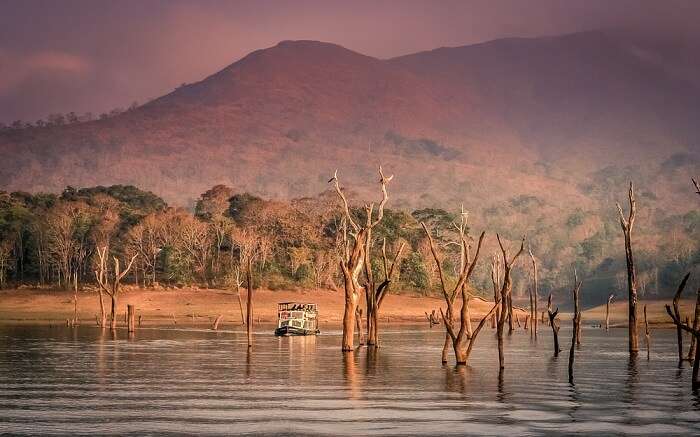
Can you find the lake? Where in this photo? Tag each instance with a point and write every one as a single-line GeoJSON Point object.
{"type": "Point", "coordinates": [59, 380]}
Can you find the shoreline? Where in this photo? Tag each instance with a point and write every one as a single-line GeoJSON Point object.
{"type": "Point", "coordinates": [200, 307]}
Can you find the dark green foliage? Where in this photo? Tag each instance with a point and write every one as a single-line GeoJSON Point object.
{"type": "Point", "coordinates": [240, 203]}
{"type": "Point", "coordinates": [413, 272]}
{"type": "Point", "coordinates": [410, 147]}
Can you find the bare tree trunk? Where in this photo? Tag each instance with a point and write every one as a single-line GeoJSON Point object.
{"type": "Point", "coordinates": [528, 325]}
{"type": "Point", "coordinates": [627, 224]}
{"type": "Point", "coordinates": [676, 317]}
{"type": "Point", "coordinates": [464, 333]}
{"type": "Point", "coordinates": [506, 290]}
{"type": "Point", "coordinates": [607, 312]}
{"type": "Point", "coordinates": [535, 291]}
{"type": "Point", "coordinates": [646, 333]}
{"type": "Point", "coordinates": [75, 298]}
{"type": "Point", "coordinates": [354, 254]}
{"type": "Point", "coordinates": [351, 298]}
{"type": "Point", "coordinates": [575, 330]}
{"type": "Point", "coordinates": [693, 340]}
{"type": "Point", "coordinates": [131, 317]}
{"type": "Point", "coordinates": [103, 315]}
{"type": "Point", "coordinates": [553, 324]}
{"type": "Point", "coordinates": [249, 306]}
{"type": "Point", "coordinates": [113, 313]}
{"type": "Point", "coordinates": [511, 325]}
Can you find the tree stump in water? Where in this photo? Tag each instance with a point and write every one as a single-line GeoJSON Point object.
{"type": "Point", "coordinates": [215, 326]}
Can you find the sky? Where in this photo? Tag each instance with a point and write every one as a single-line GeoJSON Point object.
{"type": "Point", "coordinates": [96, 55]}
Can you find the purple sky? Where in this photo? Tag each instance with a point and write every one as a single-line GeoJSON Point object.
{"type": "Point", "coordinates": [61, 56]}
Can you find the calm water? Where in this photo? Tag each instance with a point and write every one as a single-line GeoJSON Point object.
{"type": "Point", "coordinates": [83, 381]}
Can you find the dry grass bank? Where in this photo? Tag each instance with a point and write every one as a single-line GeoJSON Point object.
{"type": "Point", "coordinates": [167, 306]}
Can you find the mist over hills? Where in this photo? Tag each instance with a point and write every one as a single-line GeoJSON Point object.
{"type": "Point", "coordinates": [536, 136]}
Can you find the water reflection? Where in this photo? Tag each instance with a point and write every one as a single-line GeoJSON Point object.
{"type": "Point", "coordinates": [93, 381]}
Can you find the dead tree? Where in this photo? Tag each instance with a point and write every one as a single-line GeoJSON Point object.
{"type": "Point", "coordinates": [130, 318]}
{"type": "Point", "coordinates": [375, 294]}
{"type": "Point", "coordinates": [496, 281]}
{"type": "Point", "coordinates": [462, 336]}
{"type": "Point", "coordinates": [679, 328]}
{"type": "Point", "coordinates": [75, 321]}
{"type": "Point", "coordinates": [432, 318]}
{"type": "Point", "coordinates": [511, 325]}
{"type": "Point", "coordinates": [249, 304]}
{"type": "Point", "coordinates": [676, 317]}
{"type": "Point", "coordinates": [577, 313]}
{"type": "Point", "coordinates": [627, 224]}
{"type": "Point", "coordinates": [506, 290]}
{"type": "Point", "coordinates": [239, 282]}
{"type": "Point", "coordinates": [215, 325]}
{"type": "Point", "coordinates": [693, 343]}
{"type": "Point", "coordinates": [607, 311]}
{"type": "Point", "coordinates": [553, 324]}
{"type": "Point", "coordinates": [354, 248]}
{"type": "Point", "coordinates": [111, 287]}
{"type": "Point", "coordinates": [575, 328]}
{"type": "Point", "coordinates": [647, 335]}
{"type": "Point", "coordinates": [535, 295]}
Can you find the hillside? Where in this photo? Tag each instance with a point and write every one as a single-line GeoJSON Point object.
{"type": "Point", "coordinates": [535, 136]}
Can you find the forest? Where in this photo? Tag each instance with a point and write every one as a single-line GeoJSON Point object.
{"type": "Point", "coordinates": [46, 239]}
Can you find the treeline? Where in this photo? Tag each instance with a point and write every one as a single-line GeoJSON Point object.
{"type": "Point", "coordinates": [59, 119]}
{"type": "Point", "coordinates": [50, 239]}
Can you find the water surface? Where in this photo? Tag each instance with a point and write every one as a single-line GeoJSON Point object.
{"type": "Point", "coordinates": [58, 380]}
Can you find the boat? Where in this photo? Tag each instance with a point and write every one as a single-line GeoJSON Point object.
{"type": "Point", "coordinates": [296, 318]}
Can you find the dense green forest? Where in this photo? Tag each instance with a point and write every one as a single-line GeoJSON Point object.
{"type": "Point", "coordinates": [47, 238]}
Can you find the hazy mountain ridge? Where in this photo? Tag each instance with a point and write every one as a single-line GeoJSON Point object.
{"type": "Point", "coordinates": [565, 120]}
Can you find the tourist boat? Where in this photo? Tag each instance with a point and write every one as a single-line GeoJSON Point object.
{"type": "Point", "coordinates": [294, 318]}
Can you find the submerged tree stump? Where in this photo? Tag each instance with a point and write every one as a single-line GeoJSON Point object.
{"type": "Point", "coordinates": [215, 326]}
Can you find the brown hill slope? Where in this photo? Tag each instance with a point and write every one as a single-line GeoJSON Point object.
{"type": "Point", "coordinates": [536, 136]}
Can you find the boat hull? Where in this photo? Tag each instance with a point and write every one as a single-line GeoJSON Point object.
{"type": "Point", "coordinates": [286, 331]}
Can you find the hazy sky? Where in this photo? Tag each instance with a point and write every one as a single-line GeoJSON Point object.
{"type": "Point", "coordinates": [91, 55]}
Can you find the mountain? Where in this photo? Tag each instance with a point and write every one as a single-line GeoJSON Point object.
{"type": "Point", "coordinates": [533, 135]}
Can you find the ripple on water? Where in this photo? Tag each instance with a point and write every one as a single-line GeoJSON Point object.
{"type": "Point", "coordinates": [64, 381]}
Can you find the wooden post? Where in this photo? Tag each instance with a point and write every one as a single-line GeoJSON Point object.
{"type": "Point", "coordinates": [130, 317]}
{"type": "Point", "coordinates": [215, 326]}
